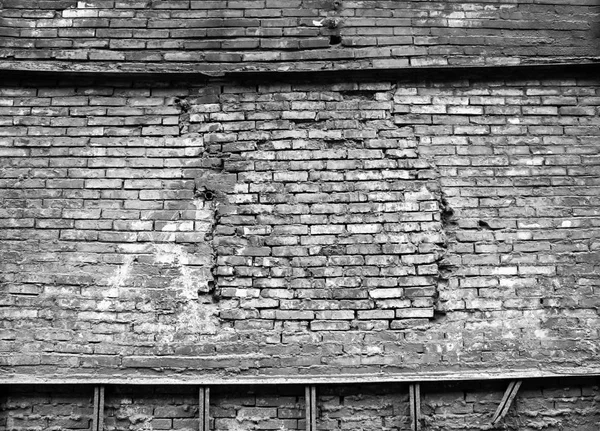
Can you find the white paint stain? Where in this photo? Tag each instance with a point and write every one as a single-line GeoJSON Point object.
{"type": "Point", "coordinates": [122, 273]}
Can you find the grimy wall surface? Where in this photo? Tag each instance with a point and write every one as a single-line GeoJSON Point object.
{"type": "Point", "coordinates": [223, 230]}
{"type": "Point", "coordinates": [263, 192]}
{"type": "Point", "coordinates": [218, 35]}
{"type": "Point", "coordinates": [551, 405]}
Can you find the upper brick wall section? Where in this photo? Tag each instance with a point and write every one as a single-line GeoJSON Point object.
{"type": "Point", "coordinates": [219, 36]}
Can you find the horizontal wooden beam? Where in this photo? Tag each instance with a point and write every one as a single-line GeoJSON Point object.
{"type": "Point", "coordinates": [140, 379]}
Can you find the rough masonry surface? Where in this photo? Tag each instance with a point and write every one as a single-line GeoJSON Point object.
{"type": "Point", "coordinates": [221, 229]}
{"type": "Point", "coordinates": [552, 405]}
{"type": "Point", "coordinates": [217, 36]}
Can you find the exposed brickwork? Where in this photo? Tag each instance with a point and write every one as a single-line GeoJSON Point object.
{"type": "Point", "coordinates": [334, 219]}
{"type": "Point", "coordinates": [363, 407]}
{"type": "Point", "coordinates": [151, 408]}
{"type": "Point", "coordinates": [220, 35]}
{"type": "Point", "coordinates": [548, 405]}
{"type": "Point", "coordinates": [567, 404]}
{"type": "Point", "coordinates": [43, 408]}
{"type": "Point", "coordinates": [257, 408]}
{"type": "Point", "coordinates": [240, 229]}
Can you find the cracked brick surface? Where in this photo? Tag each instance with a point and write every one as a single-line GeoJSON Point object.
{"type": "Point", "coordinates": [218, 36]}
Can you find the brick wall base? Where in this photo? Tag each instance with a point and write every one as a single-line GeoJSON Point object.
{"type": "Point", "coordinates": [549, 404]}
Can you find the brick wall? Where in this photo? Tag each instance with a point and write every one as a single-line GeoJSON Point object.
{"type": "Point", "coordinates": [154, 408]}
{"type": "Point", "coordinates": [259, 408]}
{"type": "Point", "coordinates": [550, 404]}
{"type": "Point", "coordinates": [433, 223]}
{"type": "Point", "coordinates": [219, 36]}
{"type": "Point", "coordinates": [50, 407]}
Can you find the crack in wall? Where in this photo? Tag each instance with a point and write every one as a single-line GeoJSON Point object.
{"type": "Point", "coordinates": [184, 116]}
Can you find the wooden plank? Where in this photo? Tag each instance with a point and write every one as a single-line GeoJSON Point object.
{"type": "Point", "coordinates": [101, 409]}
{"type": "Point", "coordinates": [313, 408]}
{"type": "Point", "coordinates": [96, 404]}
{"type": "Point", "coordinates": [510, 400]}
{"type": "Point", "coordinates": [507, 399]}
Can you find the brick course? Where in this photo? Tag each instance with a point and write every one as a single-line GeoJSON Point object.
{"type": "Point", "coordinates": [304, 35]}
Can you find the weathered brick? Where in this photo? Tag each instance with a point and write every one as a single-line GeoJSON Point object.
{"type": "Point", "coordinates": [328, 240]}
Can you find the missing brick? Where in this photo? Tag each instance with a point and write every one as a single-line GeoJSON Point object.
{"type": "Point", "coordinates": [447, 212]}
{"type": "Point", "coordinates": [331, 23]}
{"type": "Point", "coordinates": [184, 117]}
{"type": "Point", "coordinates": [333, 250]}
{"type": "Point", "coordinates": [207, 195]}
{"type": "Point", "coordinates": [359, 94]}
{"type": "Point", "coordinates": [335, 39]}
{"type": "Point", "coordinates": [483, 225]}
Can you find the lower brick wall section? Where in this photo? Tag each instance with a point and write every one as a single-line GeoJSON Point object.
{"type": "Point", "coordinates": [258, 408]}
{"type": "Point", "coordinates": [363, 407]}
{"type": "Point", "coordinates": [553, 404]}
{"type": "Point", "coordinates": [148, 407]}
{"type": "Point", "coordinates": [46, 408]}
{"type": "Point", "coordinates": [550, 405]}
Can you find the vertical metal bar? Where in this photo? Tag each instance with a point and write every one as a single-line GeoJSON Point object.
{"type": "Point", "coordinates": [313, 408]}
{"type": "Point", "coordinates": [96, 404]}
{"type": "Point", "coordinates": [417, 406]}
{"type": "Point", "coordinates": [414, 391]}
{"type": "Point", "coordinates": [412, 405]}
{"type": "Point", "coordinates": [201, 410]}
{"type": "Point", "coordinates": [307, 402]}
{"type": "Point", "coordinates": [206, 408]}
{"type": "Point", "coordinates": [101, 409]}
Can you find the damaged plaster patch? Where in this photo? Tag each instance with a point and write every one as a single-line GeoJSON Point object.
{"type": "Point", "coordinates": [171, 276]}
{"type": "Point", "coordinates": [196, 311]}
{"type": "Point", "coordinates": [122, 273]}
{"type": "Point", "coordinates": [191, 280]}
{"type": "Point", "coordinates": [137, 416]}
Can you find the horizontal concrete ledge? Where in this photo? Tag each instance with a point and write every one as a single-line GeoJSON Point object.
{"type": "Point", "coordinates": [173, 379]}
{"type": "Point", "coordinates": [225, 70]}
